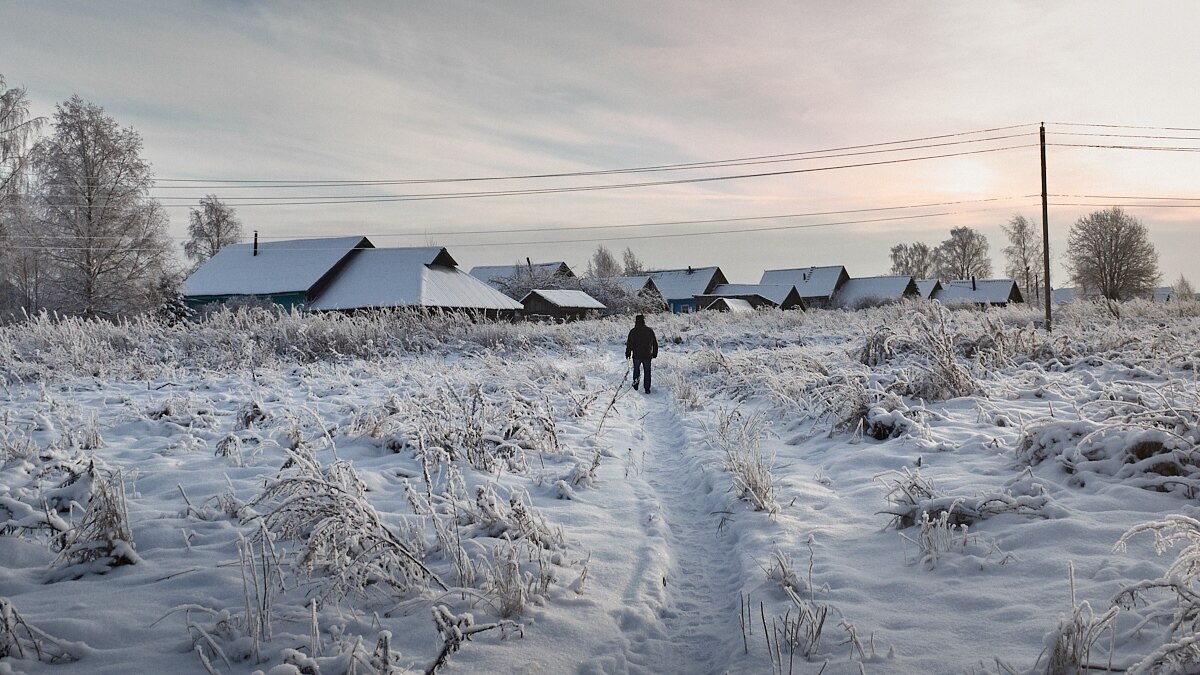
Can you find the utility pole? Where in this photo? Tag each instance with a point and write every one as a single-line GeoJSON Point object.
{"type": "Point", "coordinates": [1045, 230]}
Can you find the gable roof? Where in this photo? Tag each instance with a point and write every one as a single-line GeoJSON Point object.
{"type": "Point", "coordinates": [776, 293]}
{"type": "Point", "coordinates": [810, 282]}
{"type": "Point", "coordinates": [980, 291]}
{"type": "Point", "coordinates": [892, 287]}
{"type": "Point", "coordinates": [928, 287]}
{"type": "Point", "coordinates": [408, 277]}
{"type": "Point", "coordinates": [684, 284]}
{"type": "Point", "coordinates": [490, 274]}
{"type": "Point", "coordinates": [633, 284]}
{"type": "Point", "coordinates": [565, 299]}
{"type": "Point", "coordinates": [723, 304]}
{"type": "Point", "coordinates": [285, 266]}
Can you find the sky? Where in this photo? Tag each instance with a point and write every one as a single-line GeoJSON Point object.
{"type": "Point", "coordinates": [366, 92]}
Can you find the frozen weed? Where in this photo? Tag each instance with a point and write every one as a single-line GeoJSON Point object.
{"type": "Point", "coordinates": [456, 630]}
{"type": "Point", "coordinates": [752, 469]}
{"type": "Point", "coordinates": [103, 538]}
{"type": "Point", "coordinates": [20, 641]}
{"type": "Point", "coordinates": [937, 536]}
{"type": "Point", "coordinates": [343, 540]}
{"type": "Point", "coordinates": [1070, 646]}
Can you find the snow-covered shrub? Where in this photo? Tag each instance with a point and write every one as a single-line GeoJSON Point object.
{"type": "Point", "coordinates": [1143, 438]}
{"type": "Point", "coordinates": [941, 376]}
{"type": "Point", "coordinates": [1171, 600]}
{"type": "Point", "coordinates": [102, 539]}
{"type": "Point", "coordinates": [914, 499]}
{"type": "Point", "coordinates": [345, 546]}
{"type": "Point", "coordinates": [19, 641]}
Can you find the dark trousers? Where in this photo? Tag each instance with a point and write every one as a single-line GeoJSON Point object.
{"type": "Point", "coordinates": [641, 371]}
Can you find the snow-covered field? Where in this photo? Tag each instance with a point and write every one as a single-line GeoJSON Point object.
{"type": "Point", "coordinates": [899, 490]}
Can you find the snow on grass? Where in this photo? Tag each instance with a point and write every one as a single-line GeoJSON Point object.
{"type": "Point", "coordinates": [904, 489]}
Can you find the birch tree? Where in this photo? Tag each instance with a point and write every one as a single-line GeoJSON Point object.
{"type": "Point", "coordinates": [916, 260]}
{"type": "Point", "coordinates": [100, 231]}
{"type": "Point", "coordinates": [211, 227]}
{"type": "Point", "coordinates": [1023, 255]}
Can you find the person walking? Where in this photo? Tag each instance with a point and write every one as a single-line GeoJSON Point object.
{"type": "Point", "coordinates": [642, 346]}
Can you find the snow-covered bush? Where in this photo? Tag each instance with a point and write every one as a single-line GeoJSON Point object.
{"type": "Point", "coordinates": [1171, 600]}
{"type": "Point", "coordinates": [345, 546]}
{"type": "Point", "coordinates": [914, 499]}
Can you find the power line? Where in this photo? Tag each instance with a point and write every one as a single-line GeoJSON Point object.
{"type": "Point", "coordinates": [1158, 148]}
{"type": "Point", "coordinates": [736, 219]}
{"type": "Point", "coordinates": [1122, 126]}
{"type": "Point", "coordinates": [637, 237]}
{"type": "Point", "coordinates": [438, 196]}
{"type": "Point", "coordinates": [641, 169]}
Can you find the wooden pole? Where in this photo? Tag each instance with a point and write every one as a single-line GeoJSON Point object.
{"type": "Point", "coordinates": [1045, 230]}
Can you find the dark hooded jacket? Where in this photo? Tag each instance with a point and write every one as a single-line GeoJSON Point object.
{"type": "Point", "coordinates": [642, 343]}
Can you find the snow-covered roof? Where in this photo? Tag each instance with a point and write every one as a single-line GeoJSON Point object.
{"type": "Point", "coordinates": [490, 273]}
{"type": "Point", "coordinates": [633, 284]}
{"type": "Point", "coordinates": [408, 277]}
{"type": "Point", "coordinates": [980, 291]}
{"type": "Point", "coordinates": [683, 284]}
{"type": "Point", "coordinates": [287, 266]}
{"type": "Point", "coordinates": [776, 293]}
{"type": "Point", "coordinates": [565, 299]}
{"type": "Point", "coordinates": [885, 288]}
{"type": "Point", "coordinates": [810, 282]}
{"type": "Point", "coordinates": [928, 287]}
{"type": "Point", "coordinates": [730, 305]}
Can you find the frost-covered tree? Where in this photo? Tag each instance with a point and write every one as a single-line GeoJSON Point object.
{"type": "Point", "coordinates": [1183, 289]}
{"type": "Point", "coordinates": [963, 256]}
{"type": "Point", "coordinates": [17, 131]}
{"type": "Point", "coordinates": [1109, 253]}
{"type": "Point", "coordinates": [210, 228]}
{"type": "Point", "coordinates": [1023, 255]}
{"type": "Point", "coordinates": [603, 264]}
{"type": "Point", "coordinates": [103, 236]}
{"type": "Point", "coordinates": [916, 260]}
{"type": "Point", "coordinates": [633, 266]}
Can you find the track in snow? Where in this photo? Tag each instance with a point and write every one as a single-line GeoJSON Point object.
{"type": "Point", "coordinates": [696, 600]}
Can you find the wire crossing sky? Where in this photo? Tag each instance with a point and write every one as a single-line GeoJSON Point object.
{"type": "Point", "coordinates": [777, 134]}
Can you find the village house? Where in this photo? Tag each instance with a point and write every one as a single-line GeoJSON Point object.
{"type": "Point", "coordinates": [559, 304]}
{"type": "Point", "coordinates": [680, 287]}
{"type": "Point", "coordinates": [871, 291]}
{"type": "Point", "coordinates": [816, 286]}
{"type": "Point", "coordinates": [980, 292]}
{"type": "Point", "coordinates": [781, 296]}
{"type": "Point", "coordinates": [342, 274]}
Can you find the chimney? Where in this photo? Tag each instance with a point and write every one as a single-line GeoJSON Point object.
{"type": "Point", "coordinates": [256, 242]}
{"type": "Point", "coordinates": [689, 269]}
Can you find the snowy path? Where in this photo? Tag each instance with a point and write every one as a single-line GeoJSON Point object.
{"type": "Point", "coordinates": [681, 612]}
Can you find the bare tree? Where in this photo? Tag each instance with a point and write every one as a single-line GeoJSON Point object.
{"type": "Point", "coordinates": [603, 264]}
{"type": "Point", "coordinates": [100, 231]}
{"type": "Point", "coordinates": [17, 131]}
{"type": "Point", "coordinates": [211, 227]}
{"type": "Point", "coordinates": [1109, 253]}
{"type": "Point", "coordinates": [1023, 255]}
{"type": "Point", "coordinates": [916, 260]}
{"type": "Point", "coordinates": [963, 256]}
{"type": "Point", "coordinates": [633, 266]}
{"type": "Point", "coordinates": [1183, 289]}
